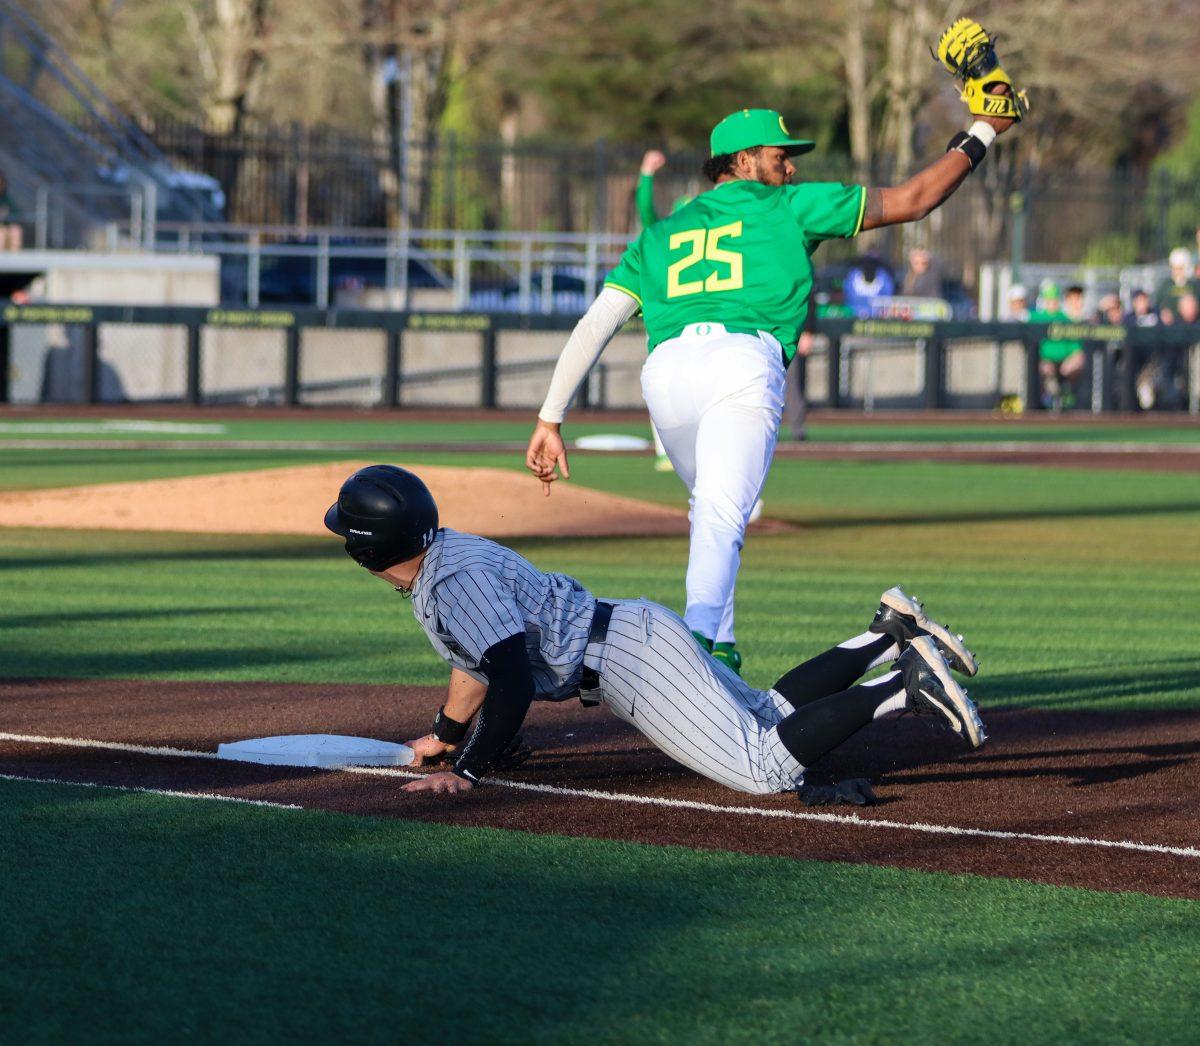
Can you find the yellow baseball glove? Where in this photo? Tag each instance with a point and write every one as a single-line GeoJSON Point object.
{"type": "Point", "coordinates": [969, 52]}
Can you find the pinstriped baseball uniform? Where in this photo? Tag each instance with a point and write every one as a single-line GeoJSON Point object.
{"type": "Point", "coordinates": [472, 594]}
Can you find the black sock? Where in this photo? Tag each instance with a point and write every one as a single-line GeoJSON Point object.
{"type": "Point", "coordinates": [820, 726]}
{"type": "Point", "coordinates": [829, 672]}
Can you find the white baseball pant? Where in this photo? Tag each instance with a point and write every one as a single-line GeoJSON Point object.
{"type": "Point", "coordinates": [716, 399]}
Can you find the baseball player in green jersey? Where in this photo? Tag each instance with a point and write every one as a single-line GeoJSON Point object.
{"type": "Point", "coordinates": [724, 284]}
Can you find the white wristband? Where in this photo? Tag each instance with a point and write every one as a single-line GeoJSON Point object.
{"type": "Point", "coordinates": [985, 132]}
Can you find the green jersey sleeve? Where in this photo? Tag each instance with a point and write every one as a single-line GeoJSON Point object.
{"type": "Point", "coordinates": [627, 276]}
{"type": "Point", "coordinates": [827, 210]}
{"type": "Point", "coordinates": [645, 200]}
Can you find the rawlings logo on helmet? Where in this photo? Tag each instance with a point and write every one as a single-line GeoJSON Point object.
{"type": "Point", "coordinates": [360, 533]}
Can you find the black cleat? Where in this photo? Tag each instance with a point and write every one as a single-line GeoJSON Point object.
{"type": "Point", "coordinates": [934, 692]}
{"type": "Point", "coordinates": [903, 618]}
{"type": "Point", "coordinates": [855, 791]}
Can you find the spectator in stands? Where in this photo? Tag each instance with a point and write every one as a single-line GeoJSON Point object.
{"type": "Point", "coordinates": [1143, 314]}
{"type": "Point", "coordinates": [1018, 304]}
{"type": "Point", "coordinates": [1141, 310]}
{"type": "Point", "coordinates": [923, 279]}
{"type": "Point", "coordinates": [1061, 360]}
{"type": "Point", "coordinates": [11, 234]}
{"type": "Point", "coordinates": [868, 280]}
{"type": "Point", "coordinates": [1109, 310]}
{"type": "Point", "coordinates": [1160, 383]}
{"type": "Point", "coordinates": [1178, 286]}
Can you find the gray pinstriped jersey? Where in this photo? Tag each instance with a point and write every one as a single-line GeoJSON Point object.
{"type": "Point", "coordinates": [472, 594]}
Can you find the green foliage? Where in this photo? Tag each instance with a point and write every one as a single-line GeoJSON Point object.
{"type": "Point", "coordinates": [668, 71]}
{"type": "Point", "coordinates": [1111, 248]}
{"type": "Point", "coordinates": [1173, 199]}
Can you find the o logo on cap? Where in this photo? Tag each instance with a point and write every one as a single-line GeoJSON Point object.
{"type": "Point", "coordinates": [783, 127]}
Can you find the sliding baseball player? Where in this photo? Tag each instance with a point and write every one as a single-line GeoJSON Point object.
{"type": "Point", "coordinates": [513, 634]}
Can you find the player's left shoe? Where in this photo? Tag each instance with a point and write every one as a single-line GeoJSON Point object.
{"type": "Point", "coordinates": [728, 654]}
{"type": "Point", "coordinates": [935, 693]}
{"type": "Point", "coordinates": [903, 618]}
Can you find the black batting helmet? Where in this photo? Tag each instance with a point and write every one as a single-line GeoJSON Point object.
{"type": "Point", "coordinates": [386, 514]}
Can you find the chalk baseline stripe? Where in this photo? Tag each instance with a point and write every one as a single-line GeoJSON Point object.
{"type": "Point", "coordinates": [805, 815]}
{"type": "Point", "coordinates": [625, 797]}
{"type": "Point", "coordinates": [152, 791]}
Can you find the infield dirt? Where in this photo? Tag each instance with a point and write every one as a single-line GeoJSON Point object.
{"type": "Point", "coordinates": [497, 503]}
{"type": "Point", "coordinates": [1091, 776]}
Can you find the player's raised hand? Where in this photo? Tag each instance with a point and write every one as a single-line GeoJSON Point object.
{"type": "Point", "coordinates": [653, 162]}
{"type": "Point", "coordinates": [547, 452]}
{"type": "Point", "coordinates": [443, 783]}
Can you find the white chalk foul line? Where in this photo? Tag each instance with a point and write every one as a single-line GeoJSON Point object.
{"type": "Point", "coordinates": [152, 791]}
{"type": "Point", "coordinates": [650, 800]}
{"type": "Point", "coordinates": [110, 746]}
{"type": "Point", "coordinates": [806, 815]}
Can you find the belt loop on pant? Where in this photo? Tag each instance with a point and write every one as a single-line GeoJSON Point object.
{"type": "Point", "coordinates": [598, 630]}
{"type": "Point", "coordinates": [597, 633]}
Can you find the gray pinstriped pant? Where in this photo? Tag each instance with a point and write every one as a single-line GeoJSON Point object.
{"type": "Point", "coordinates": [656, 677]}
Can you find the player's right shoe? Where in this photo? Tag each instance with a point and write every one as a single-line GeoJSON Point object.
{"type": "Point", "coordinates": [932, 691]}
{"type": "Point", "coordinates": [903, 618]}
{"type": "Point", "coordinates": [728, 654]}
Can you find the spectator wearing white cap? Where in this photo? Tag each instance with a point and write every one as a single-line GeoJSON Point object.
{"type": "Point", "coordinates": [1180, 285]}
{"type": "Point", "coordinates": [1018, 303]}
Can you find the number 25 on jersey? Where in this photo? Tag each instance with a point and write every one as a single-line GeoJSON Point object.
{"type": "Point", "coordinates": [705, 245]}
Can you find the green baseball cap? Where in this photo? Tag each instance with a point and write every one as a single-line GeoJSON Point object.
{"type": "Point", "coordinates": [750, 127]}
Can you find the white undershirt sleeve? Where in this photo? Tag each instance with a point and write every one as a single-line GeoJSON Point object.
{"type": "Point", "coordinates": [607, 315]}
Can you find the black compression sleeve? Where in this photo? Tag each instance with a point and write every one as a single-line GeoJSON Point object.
{"type": "Point", "coordinates": [509, 692]}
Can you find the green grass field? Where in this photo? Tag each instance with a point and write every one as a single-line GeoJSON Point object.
{"type": "Point", "coordinates": [1078, 589]}
{"type": "Point", "coordinates": [305, 926]}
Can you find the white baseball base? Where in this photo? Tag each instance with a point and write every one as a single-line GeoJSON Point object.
{"type": "Point", "coordinates": [613, 441]}
{"type": "Point", "coordinates": [328, 751]}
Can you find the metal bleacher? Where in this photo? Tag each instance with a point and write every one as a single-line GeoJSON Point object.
{"type": "Point", "coordinates": [73, 161]}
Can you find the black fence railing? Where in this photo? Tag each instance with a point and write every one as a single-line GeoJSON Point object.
{"type": "Point", "coordinates": [1117, 357]}
{"type": "Point", "coordinates": [327, 177]}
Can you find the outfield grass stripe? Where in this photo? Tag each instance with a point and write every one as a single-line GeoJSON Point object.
{"type": "Point", "coordinates": [152, 791]}
{"type": "Point", "coordinates": [999, 446]}
{"type": "Point", "coordinates": [814, 449]}
{"type": "Point", "coordinates": [338, 445]}
{"type": "Point", "coordinates": [852, 820]}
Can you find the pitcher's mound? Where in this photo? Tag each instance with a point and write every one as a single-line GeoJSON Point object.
{"type": "Point", "coordinates": [497, 503]}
